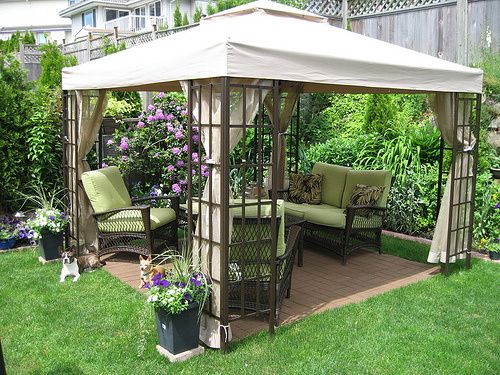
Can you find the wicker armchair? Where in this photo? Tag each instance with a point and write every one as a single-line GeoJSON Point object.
{"type": "Point", "coordinates": [250, 269]}
{"type": "Point", "coordinates": [121, 226]}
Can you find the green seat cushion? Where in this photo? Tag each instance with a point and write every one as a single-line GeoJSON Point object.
{"type": "Point", "coordinates": [332, 185]}
{"type": "Point", "coordinates": [326, 215]}
{"type": "Point", "coordinates": [105, 189]}
{"type": "Point", "coordinates": [369, 178]}
{"type": "Point", "coordinates": [295, 209]}
{"type": "Point", "coordinates": [131, 221]}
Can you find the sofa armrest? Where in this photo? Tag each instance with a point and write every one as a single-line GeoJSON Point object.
{"type": "Point", "coordinates": [282, 193]}
{"type": "Point", "coordinates": [174, 201]}
{"type": "Point", "coordinates": [143, 215]}
{"type": "Point", "coordinates": [358, 217]}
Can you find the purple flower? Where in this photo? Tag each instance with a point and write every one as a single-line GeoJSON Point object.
{"type": "Point", "coordinates": [176, 188]}
{"type": "Point", "coordinates": [170, 168]}
{"type": "Point", "coordinates": [124, 146]}
{"type": "Point", "coordinates": [180, 163]}
{"type": "Point", "coordinates": [182, 285]}
{"type": "Point", "coordinates": [160, 116]}
{"type": "Point", "coordinates": [185, 148]}
{"type": "Point", "coordinates": [178, 134]}
{"type": "Point", "coordinates": [178, 108]}
{"type": "Point", "coordinates": [187, 297]}
{"type": "Point", "coordinates": [193, 172]}
{"type": "Point", "coordinates": [196, 138]}
{"type": "Point", "coordinates": [104, 165]}
{"type": "Point", "coordinates": [161, 95]}
{"type": "Point", "coordinates": [176, 150]}
{"type": "Point", "coordinates": [197, 283]}
{"type": "Point", "coordinates": [63, 215]}
{"type": "Point", "coordinates": [151, 107]}
{"type": "Point", "coordinates": [170, 128]}
{"type": "Point", "coordinates": [151, 118]}
{"type": "Point", "coordinates": [158, 111]}
{"type": "Point", "coordinates": [164, 283]}
{"type": "Point", "coordinates": [140, 124]}
{"type": "Point", "coordinates": [157, 154]}
{"type": "Point", "coordinates": [156, 277]}
{"type": "Point", "coordinates": [183, 182]}
{"type": "Point", "coordinates": [52, 217]}
{"type": "Point", "coordinates": [109, 142]}
{"type": "Point", "coordinates": [184, 112]}
{"type": "Point", "coordinates": [497, 205]}
{"type": "Point", "coordinates": [141, 115]}
{"type": "Point", "coordinates": [124, 157]}
{"type": "Point", "coordinates": [169, 117]}
{"type": "Point", "coordinates": [194, 156]}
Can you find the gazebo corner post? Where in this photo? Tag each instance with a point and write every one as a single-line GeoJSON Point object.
{"type": "Point", "coordinates": [455, 145]}
{"type": "Point", "coordinates": [189, 215]}
{"type": "Point", "coordinates": [475, 151]}
{"type": "Point", "coordinates": [64, 160]}
{"type": "Point", "coordinates": [225, 217]}
{"type": "Point", "coordinates": [274, 196]}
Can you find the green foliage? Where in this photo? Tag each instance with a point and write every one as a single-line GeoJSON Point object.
{"type": "Point", "coordinates": [380, 113]}
{"type": "Point", "coordinates": [197, 14]}
{"type": "Point", "coordinates": [119, 109]}
{"type": "Point", "coordinates": [185, 20]}
{"type": "Point", "coordinates": [487, 210]}
{"type": "Point", "coordinates": [15, 108]}
{"type": "Point", "coordinates": [43, 132]}
{"type": "Point", "coordinates": [211, 8]}
{"type": "Point", "coordinates": [491, 67]}
{"type": "Point", "coordinates": [12, 44]}
{"type": "Point", "coordinates": [177, 15]}
{"type": "Point", "coordinates": [109, 48]}
{"type": "Point", "coordinates": [52, 63]}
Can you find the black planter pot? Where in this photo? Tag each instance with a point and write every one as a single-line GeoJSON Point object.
{"type": "Point", "coordinates": [180, 332]}
{"type": "Point", "coordinates": [49, 244]}
{"type": "Point", "coordinates": [494, 255]}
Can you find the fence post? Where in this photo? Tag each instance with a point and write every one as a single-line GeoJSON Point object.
{"type": "Point", "coordinates": [345, 14]}
{"type": "Point", "coordinates": [462, 32]}
{"type": "Point", "coordinates": [153, 31]}
{"type": "Point", "coordinates": [21, 52]}
{"type": "Point", "coordinates": [89, 47]}
{"type": "Point", "coordinates": [115, 35]}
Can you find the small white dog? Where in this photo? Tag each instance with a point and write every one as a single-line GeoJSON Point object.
{"type": "Point", "coordinates": [69, 266]}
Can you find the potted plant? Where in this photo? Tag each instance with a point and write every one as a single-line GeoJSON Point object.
{"type": "Point", "coordinates": [48, 226]}
{"type": "Point", "coordinates": [178, 298]}
{"type": "Point", "coordinates": [494, 249]}
{"type": "Point", "coordinates": [8, 233]}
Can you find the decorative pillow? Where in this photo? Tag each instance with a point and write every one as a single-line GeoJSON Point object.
{"type": "Point", "coordinates": [305, 188]}
{"type": "Point", "coordinates": [363, 195]}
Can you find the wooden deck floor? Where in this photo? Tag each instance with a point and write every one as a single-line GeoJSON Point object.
{"type": "Point", "coordinates": [322, 283]}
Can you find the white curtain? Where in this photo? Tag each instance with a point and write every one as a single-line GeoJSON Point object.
{"type": "Point", "coordinates": [443, 105]}
{"type": "Point", "coordinates": [211, 141]}
{"type": "Point", "coordinates": [90, 113]}
{"type": "Point", "coordinates": [286, 113]}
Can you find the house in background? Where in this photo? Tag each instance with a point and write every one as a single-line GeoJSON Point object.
{"type": "Point", "coordinates": [127, 15]}
{"type": "Point", "coordinates": [39, 16]}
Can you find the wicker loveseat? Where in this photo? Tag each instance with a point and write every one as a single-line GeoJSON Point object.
{"type": "Point", "coordinates": [334, 223]}
{"type": "Point", "coordinates": [121, 226]}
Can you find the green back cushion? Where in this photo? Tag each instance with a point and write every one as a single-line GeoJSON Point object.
{"type": "Point", "coordinates": [332, 185]}
{"type": "Point", "coordinates": [105, 189]}
{"type": "Point", "coordinates": [369, 178]}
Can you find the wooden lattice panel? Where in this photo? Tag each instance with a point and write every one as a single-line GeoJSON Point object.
{"type": "Point", "coordinates": [31, 54]}
{"type": "Point", "coordinates": [330, 8]}
{"type": "Point", "coordinates": [135, 40]}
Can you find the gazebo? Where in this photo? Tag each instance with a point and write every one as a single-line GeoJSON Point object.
{"type": "Point", "coordinates": [251, 62]}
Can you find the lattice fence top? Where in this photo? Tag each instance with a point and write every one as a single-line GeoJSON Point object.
{"type": "Point", "coordinates": [333, 8]}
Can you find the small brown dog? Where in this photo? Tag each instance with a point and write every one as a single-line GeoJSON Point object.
{"type": "Point", "coordinates": [148, 270]}
{"type": "Point", "coordinates": [74, 266]}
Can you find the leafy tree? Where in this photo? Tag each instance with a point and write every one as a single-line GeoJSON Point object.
{"type": "Point", "coordinates": [380, 113]}
{"type": "Point", "coordinates": [197, 14]}
{"type": "Point", "coordinates": [185, 20]}
{"type": "Point", "coordinates": [109, 48]}
{"type": "Point", "coordinates": [177, 15]}
{"type": "Point", "coordinates": [52, 62]}
{"type": "Point", "coordinates": [12, 44]}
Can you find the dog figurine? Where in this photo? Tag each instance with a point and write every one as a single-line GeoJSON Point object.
{"type": "Point", "coordinates": [69, 266]}
{"type": "Point", "coordinates": [74, 266]}
{"type": "Point", "coordinates": [148, 270]}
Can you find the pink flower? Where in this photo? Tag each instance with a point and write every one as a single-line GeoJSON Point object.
{"type": "Point", "coordinates": [184, 112]}
{"type": "Point", "coordinates": [160, 116]}
{"type": "Point", "coordinates": [176, 188]}
{"type": "Point", "coordinates": [176, 150]}
{"type": "Point", "coordinates": [169, 117]}
{"type": "Point", "coordinates": [170, 168]}
{"type": "Point", "coordinates": [140, 124]}
{"type": "Point", "coordinates": [178, 108]}
{"type": "Point", "coordinates": [178, 134]}
{"type": "Point", "coordinates": [124, 157]}
{"type": "Point", "coordinates": [196, 138]}
{"type": "Point", "coordinates": [183, 182]}
{"type": "Point", "coordinates": [151, 107]}
{"type": "Point", "coordinates": [124, 143]}
{"type": "Point", "coordinates": [193, 172]}
{"type": "Point", "coordinates": [170, 128]}
{"type": "Point", "coordinates": [185, 148]}
{"type": "Point", "coordinates": [151, 118]}
{"type": "Point", "coordinates": [161, 95]}
{"type": "Point", "coordinates": [104, 165]}
{"type": "Point", "coordinates": [194, 156]}
{"type": "Point", "coordinates": [180, 163]}
{"type": "Point", "coordinates": [109, 142]}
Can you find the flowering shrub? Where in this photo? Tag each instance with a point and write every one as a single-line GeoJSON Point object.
{"type": "Point", "coordinates": [155, 151]}
{"type": "Point", "coordinates": [51, 220]}
{"type": "Point", "coordinates": [15, 228]}
{"type": "Point", "coordinates": [178, 288]}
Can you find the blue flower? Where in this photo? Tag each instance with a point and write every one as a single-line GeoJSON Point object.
{"type": "Point", "coordinates": [187, 297]}
{"type": "Point", "coordinates": [52, 217]}
{"type": "Point", "coordinates": [156, 277]}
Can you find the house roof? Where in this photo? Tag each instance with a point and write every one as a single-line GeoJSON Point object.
{"type": "Point", "coordinates": [82, 5]}
{"type": "Point", "coordinates": [272, 41]}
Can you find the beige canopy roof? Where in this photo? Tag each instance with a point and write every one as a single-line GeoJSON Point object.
{"type": "Point", "coordinates": [269, 40]}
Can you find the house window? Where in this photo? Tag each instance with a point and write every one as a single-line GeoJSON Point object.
{"type": "Point", "coordinates": [155, 9]}
{"type": "Point", "coordinates": [140, 18]}
{"type": "Point", "coordinates": [112, 14]}
{"type": "Point", "coordinates": [88, 18]}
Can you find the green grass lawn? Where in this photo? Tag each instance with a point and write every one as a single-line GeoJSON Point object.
{"type": "Point", "coordinates": [100, 326]}
{"type": "Point", "coordinates": [405, 249]}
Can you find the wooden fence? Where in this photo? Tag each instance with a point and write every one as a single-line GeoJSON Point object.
{"type": "Point", "coordinates": [455, 30]}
